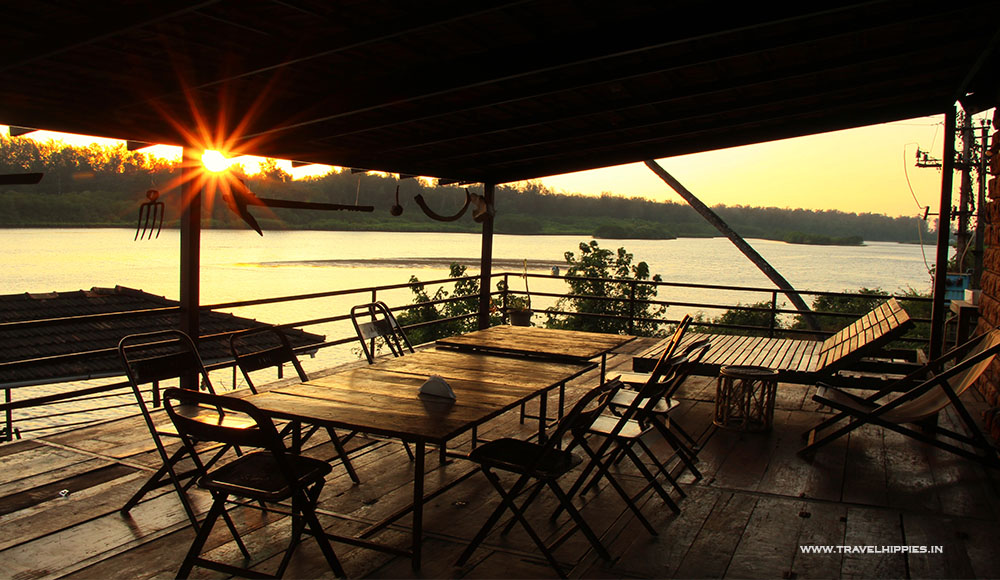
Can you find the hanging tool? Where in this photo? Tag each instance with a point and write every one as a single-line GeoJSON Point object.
{"type": "Point", "coordinates": [150, 216]}
{"type": "Point", "coordinates": [20, 178]}
{"type": "Point", "coordinates": [397, 210]}
{"type": "Point", "coordinates": [436, 216]}
{"type": "Point", "coordinates": [238, 196]}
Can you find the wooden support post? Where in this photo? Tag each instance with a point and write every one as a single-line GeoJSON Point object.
{"type": "Point", "coordinates": [486, 260]}
{"type": "Point", "coordinates": [190, 291]}
{"type": "Point", "coordinates": [748, 251]}
{"type": "Point", "coordinates": [939, 311]}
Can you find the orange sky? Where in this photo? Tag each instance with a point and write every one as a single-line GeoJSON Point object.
{"type": "Point", "coordinates": [870, 169]}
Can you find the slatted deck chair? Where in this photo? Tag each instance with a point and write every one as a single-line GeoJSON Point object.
{"type": "Point", "coordinates": [921, 400]}
{"type": "Point", "coordinates": [270, 475]}
{"type": "Point", "coordinates": [268, 347]}
{"type": "Point", "coordinates": [543, 463]}
{"type": "Point", "coordinates": [801, 361]}
{"type": "Point", "coordinates": [375, 325]}
{"type": "Point", "coordinates": [154, 357]}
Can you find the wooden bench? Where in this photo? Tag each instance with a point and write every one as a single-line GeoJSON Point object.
{"type": "Point", "coordinates": [797, 361]}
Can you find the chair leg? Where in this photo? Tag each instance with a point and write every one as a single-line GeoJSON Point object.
{"type": "Point", "coordinates": [686, 456]}
{"type": "Point", "coordinates": [651, 479]}
{"type": "Point", "coordinates": [580, 522]}
{"type": "Point", "coordinates": [163, 476]}
{"type": "Point", "coordinates": [317, 531]}
{"type": "Point", "coordinates": [194, 552]}
{"type": "Point", "coordinates": [602, 470]}
{"type": "Point", "coordinates": [494, 517]}
{"type": "Point", "coordinates": [338, 445]}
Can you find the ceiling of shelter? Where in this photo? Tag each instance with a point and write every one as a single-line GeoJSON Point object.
{"type": "Point", "coordinates": [486, 91]}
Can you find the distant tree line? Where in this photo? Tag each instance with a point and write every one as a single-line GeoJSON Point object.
{"type": "Point", "coordinates": [104, 186]}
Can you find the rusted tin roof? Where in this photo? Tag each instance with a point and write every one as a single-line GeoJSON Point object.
{"type": "Point", "coordinates": [85, 321]}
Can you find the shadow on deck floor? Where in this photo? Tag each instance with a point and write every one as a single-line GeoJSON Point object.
{"type": "Point", "coordinates": [750, 515]}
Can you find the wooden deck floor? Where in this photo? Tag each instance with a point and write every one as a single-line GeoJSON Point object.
{"type": "Point", "coordinates": [756, 505]}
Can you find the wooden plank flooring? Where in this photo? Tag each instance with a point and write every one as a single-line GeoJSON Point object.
{"type": "Point", "coordinates": [749, 515]}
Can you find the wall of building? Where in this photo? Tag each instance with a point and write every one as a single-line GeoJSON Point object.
{"type": "Point", "coordinates": [989, 306]}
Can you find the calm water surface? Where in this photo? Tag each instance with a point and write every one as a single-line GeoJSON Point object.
{"type": "Point", "coordinates": [240, 265]}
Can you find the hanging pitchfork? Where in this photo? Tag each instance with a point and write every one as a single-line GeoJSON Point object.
{"type": "Point", "coordinates": [150, 216]}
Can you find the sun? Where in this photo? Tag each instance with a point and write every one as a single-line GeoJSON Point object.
{"type": "Point", "coordinates": [215, 161]}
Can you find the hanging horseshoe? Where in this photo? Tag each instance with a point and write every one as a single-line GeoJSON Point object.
{"type": "Point", "coordinates": [433, 215]}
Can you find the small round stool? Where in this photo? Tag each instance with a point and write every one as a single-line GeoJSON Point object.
{"type": "Point", "coordinates": [744, 398]}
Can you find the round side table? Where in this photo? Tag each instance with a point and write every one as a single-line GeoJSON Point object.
{"type": "Point", "coordinates": [744, 398]}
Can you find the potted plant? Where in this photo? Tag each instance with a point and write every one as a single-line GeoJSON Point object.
{"type": "Point", "coordinates": [519, 310]}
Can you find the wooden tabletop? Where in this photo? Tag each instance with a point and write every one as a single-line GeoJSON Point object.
{"type": "Point", "coordinates": [535, 341]}
{"type": "Point", "coordinates": [384, 398]}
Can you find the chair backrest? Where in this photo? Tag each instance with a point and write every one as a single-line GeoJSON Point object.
{"type": "Point", "coordinates": [262, 348]}
{"type": "Point", "coordinates": [208, 423]}
{"type": "Point", "coordinates": [374, 321]}
{"type": "Point", "coordinates": [585, 411]}
{"type": "Point", "coordinates": [869, 332]}
{"type": "Point", "coordinates": [664, 363]}
{"type": "Point", "coordinates": [933, 395]}
{"type": "Point", "coordinates": [691, 356]}
{"type": "Point", "coordinates": [152, 357]}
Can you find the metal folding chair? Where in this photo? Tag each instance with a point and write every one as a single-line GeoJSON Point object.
{"type": "Point", "coordinates": [544, 463]}
{"type": "Point", "coordinates": [268, 347]}
{"type": "Point", "coordinates": [270, 475]}
{"type": "Point", "coordinates": [375, 325]}
{"type": "Point", "coordinates": [149, 359]}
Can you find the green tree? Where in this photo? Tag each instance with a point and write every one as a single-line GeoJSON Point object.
{"type": "Point", "coordinates": [853, 306]}
{"type": "Point", "coordinates": [464, 302]}
{"type": "Point", "coordinates": [757, 314]}
{"type": "Point", "coordinates": [607, 294]}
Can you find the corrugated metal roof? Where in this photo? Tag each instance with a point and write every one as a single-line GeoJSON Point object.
{"type": "Point", "coordinates": [62, 333]}
{"type": "Point", "coordinates": [492, 90]}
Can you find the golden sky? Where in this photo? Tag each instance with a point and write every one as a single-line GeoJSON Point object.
{"type": "Point", "coordinates": [871, 169]}
{"type": "Point", "coordinates": [857, 170]}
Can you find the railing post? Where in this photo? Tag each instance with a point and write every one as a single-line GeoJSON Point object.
{"type": "Point", "coordinates": [774, 314]}
{"type": "Point", "coordinates": [631, 306]}
{"type": "Point", "coordinates": [8, 431]}
{"type": "Point", "coordinates": [505, 299]}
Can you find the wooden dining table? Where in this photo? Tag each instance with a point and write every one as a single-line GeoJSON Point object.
{"type": "Point", "coordinates": [385, 399]}
{"type": "Point", "coordinates": [537, 342]}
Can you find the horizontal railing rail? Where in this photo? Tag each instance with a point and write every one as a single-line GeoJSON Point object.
{"type": "Point", "coordinates": [632, 311]}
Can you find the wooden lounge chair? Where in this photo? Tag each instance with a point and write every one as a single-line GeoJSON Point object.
{"type": "Point", "coordinates": [798, 361]}
{"type": "Point", "coordinates": [921, 400]}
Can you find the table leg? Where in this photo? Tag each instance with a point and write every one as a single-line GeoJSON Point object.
{"type": "Point", "coordinates": [543, 409]}
{"type": "Point", "coordinates": [418, 503]}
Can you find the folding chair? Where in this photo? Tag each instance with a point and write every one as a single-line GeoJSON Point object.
{"type": "Point", "coordinates": [623, 431]}
{"type": "Point", "coordinates": [544, 463]}
{"type": "Point", "coordinates": [374, 323]}
{"type": "Point", "coordinates": [271, 475]}
{"type": "Point", "coordinates": [657, 413]}
{"type": "Point", "coordinates": [267, 347]}
{"type": "Point", "coordinates": [148, 359]}
{"type": "Point", "coordinates": [917, 403]}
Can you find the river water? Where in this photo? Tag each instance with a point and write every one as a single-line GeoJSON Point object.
{"type": "Point", "coordinates": [239, 265]}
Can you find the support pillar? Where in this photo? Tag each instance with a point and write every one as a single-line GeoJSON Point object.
{"type": "Point", "coordinates": [486, 259]}
{"type": "Point", "coordinates": [939, 310]}
{"type": "Point", "coordinates": [190, 290]}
